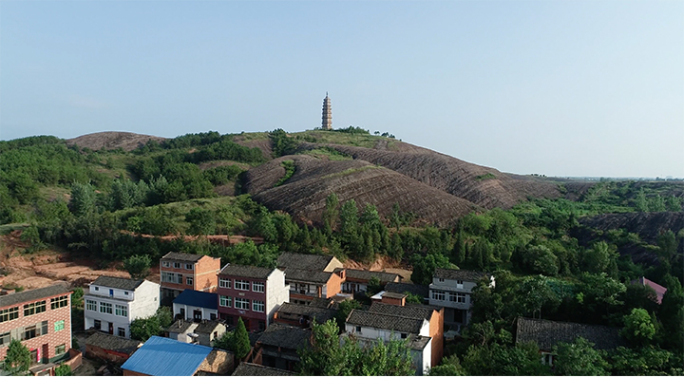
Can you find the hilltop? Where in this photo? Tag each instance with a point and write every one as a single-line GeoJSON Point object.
{"type": "Point", "coordinates": [127, 141]}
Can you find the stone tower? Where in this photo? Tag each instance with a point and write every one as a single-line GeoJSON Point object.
{"type": "Point", "coordinates": [327, 113]}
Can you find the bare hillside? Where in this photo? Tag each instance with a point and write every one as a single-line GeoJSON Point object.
{"type": "Point", "coordinates": [127, 141]}
{"type": "Point", "coordinates": [304, 194]}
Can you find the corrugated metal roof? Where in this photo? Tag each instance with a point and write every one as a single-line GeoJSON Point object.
{"type": "Point", "coordinates": [197, 299]}
{"type": "Point", "coordinates": [160, 356]}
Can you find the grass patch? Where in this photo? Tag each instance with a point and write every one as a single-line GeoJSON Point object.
{"type": "Point", "coordinates": [486, 176]}
{"type": "Point", "coordinates": [327, 154]}
{"type": "Point", "coordinates": [342, 138]}
{"type": "Point", "coordinates": [350, 171]}
{"type": "Point", "coordinates": [289, 171]}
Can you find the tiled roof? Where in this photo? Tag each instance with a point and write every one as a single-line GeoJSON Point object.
{"type": "Point", "coordinates": [117, 282]}
{"type": "Point", "coordinates": [113, 343]}
{"type": "Point", "coordinates": [197, 299]}
{"type": "Point", "coordinates": [182, 256]}
{"type": "Point", "coordinates": [549, 333]}
{"type": "Point", "coordinates": [34, 294]}
{"type": "Point", "coordinates": [361, 275]}
{"type": "Point", "coordinates": [415, 289]}
{"type": "Point", "coordinates": [302, 275]}
{"type": "Point", "coordinates": [249, 369]}
{"type": "Point", "coordinates": [160, 356]}
{"type": "Point", "coordinates": [322, 302]}
{"type": "Point", "coordinates": [321, 314]}
{"type": "Point", "coordinates": [393, 295]}
{"type": "Point", "coordinates": [180, 326]}
{"type": "Point", "coordinates": [206, 327]}
{"type": "Point", "coordinates": [245, 271]}
{"type": "Point", "coordinates": [659, 289]}
{"type": "Point", "coordinates": [303, 261]}
{"type": "Point", "coordinates": [385, 321]}
{"type": "Point", "coordinates": [285, 336]}
{"type": "Point", "coordinates": [460, 274]}
{"type": "Point", "coordinates": [415, 311]}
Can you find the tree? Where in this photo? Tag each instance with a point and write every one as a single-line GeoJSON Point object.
{"type": "Point", "coordinates": [63, 370]}
{"type": "Point", "coordinates": [202, 222]}
{"type": "Point", "coordinates": [18, 358]}
{"type": "Point", "coordinates": [143, 329]}
{"type": "Point", "coordinates": [579, 359]}
{"type": "Point", "coordinates": [331, 214]}
{"type": "Point", "coordinates": [344, 310]}
{"type": "Point", "coordinates": [424, 267]}
{"type": "Point", "coordinates": [450, 366]}
{"type": "Point", "coordinates": [374, 286]}
{"type": "Point", "coordinates": [241, 345]}
{"type": "Point", "coordinates": [224, 342]}
{"type": "Point", "coordinates": [639, 329]}
{"type": "Point", "coordinates": [82, 199]}
{"type": "Point", "coordinates": [138, 266]}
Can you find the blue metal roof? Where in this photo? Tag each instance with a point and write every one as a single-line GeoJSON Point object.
{"type": "Point", "coordinates": [160, 356]}
{"type": "Point", "coordinates": [197, 299]}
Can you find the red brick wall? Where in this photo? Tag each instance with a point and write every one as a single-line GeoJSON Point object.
{"type": "Point", "coordinates": [204, 273]}
{"type": "Point", "coordinates": [52, 339]}
{"type": "Point", "coordinates": [437, 334]}
{"type": "Point", "coordinates": [334, 285]}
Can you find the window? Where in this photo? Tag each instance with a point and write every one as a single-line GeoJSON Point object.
{"type": "Point", "coordinates": [460, 298]}
{"type": "Point", "coordinates": [358, 329]}
{"type": "Point", "coordinates": [59, 302]}
{"type": "Point", "coordinates": [224, 283]}
{"type": "Point", "coordinates": [177, 265]}
{"type": "Point", "coordinates": [441, 280]}
{"type": "Point", "coordinates": [29, 332]}
{"type": "Point", "coordinates": [459, 283]}
{"type": "Point", "coordinates": [257, 306]}
{"type": "Point", "coordinates": [9, 314]}
{"type": "Point", "coordinates": [97, 288]}
{"type": "Point", "coordinates": [126, 293]}
{"type": "Point", "coordinates": [121, 310]}
{"type": "Point", "coordinates": [258, 287]}
{"type": "Point", "coordinates": [166, 264]}
{"type": "Point", "coordinates": [60, 349]}
{"type": "Point", "coordinates": [189, 280]}
{"type": "Point", "coordinates": [59, 325]}
{"type": "Point", "coordinates": [438, 295]}
{"type": "Point", "coordinates": [168, 277]}
{"type": "Point", "coordinates": [179, 279]}
{"type": "Point", "coordinates": [33, 308]}
{"type": "Point", "coordinates": [225, 301]}
{"type": "Point", "coordinates": [105, 307]}
{"type": "Point", "coordinates": [97, 324]}
{"type": "Point", "coordinates": [404, 335]}
{"type": "Point", "coordinates": [242, 285]}
{"type": "Point", "coordinates": [188, 266]}
{"type": "Point", "coordinates": [212, 316]}
{"type": "Point", "coordinates": [241, 303]}
{"type": "Point", "coordinates": [122, 332]}
{"type": "Point", "coordinates": [91, 305]}
{"type": "Point", "coordinates": [4, 339]}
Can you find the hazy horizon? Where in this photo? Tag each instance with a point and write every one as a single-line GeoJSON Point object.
{"type": "Point", "coordinates": [564, 89]}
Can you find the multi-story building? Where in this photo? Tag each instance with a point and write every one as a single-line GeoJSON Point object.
{"type": "Point", "coordinates": [311, 276]}
{"type": "Point", "coordinates": [452, 290]}
{"type": "Point", "coordinates": [40, 319]}
{"type": "Point", "coordinates": [112, 303]}
{"type": "Point", "coordinates": [252, 293]}
{"type": "Point", "coordinates": [357, 280]}
{"type": "Point", "coordinates": [181, 271]}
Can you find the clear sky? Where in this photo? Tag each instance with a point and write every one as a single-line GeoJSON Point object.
{"type": "Point", "coordinates": [580, 88]}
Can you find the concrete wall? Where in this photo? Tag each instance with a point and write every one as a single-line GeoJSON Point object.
{"type": "Point", "coordinates": [277, 293]}
{"type": "Point", "coordinates": [145, 304]}
{"type": "Point", "coordinates": [190, 310]}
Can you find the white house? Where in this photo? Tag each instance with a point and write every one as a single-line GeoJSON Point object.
{"type": "Point", "coordinates": [368, 327]}
{"type": "Point", "coordinates": [452, 289]}
{"type": "Point", "coordinates": [112, 303]}
{"type": "Point", "coordinates": [195, 306]}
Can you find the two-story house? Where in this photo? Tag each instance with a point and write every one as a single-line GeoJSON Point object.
{"type": "Point", "coordinates": [112, 303]}
{"type": "Point", "coordinates": [452, 290]}
{"type": "Point", "coordinates": [367, 327]}
{"type": "Point", "coordinates": [181, 271]}
{"type": "Point", "coordinates": [40, 319]}
{"type": "Point", "coordinates": [195, 306]}
{"type": "Point", "coordinates": [356, 280]}
{"type": "Point", "coordinates": [252, 293]}
{"type": "Point", "coordinates": [311, 276]}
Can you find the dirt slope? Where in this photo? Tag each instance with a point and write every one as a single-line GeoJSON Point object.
{"type": "Point", "coordinates": [304, 194]}
{"type": "Point", "coordinates": [110, 140]}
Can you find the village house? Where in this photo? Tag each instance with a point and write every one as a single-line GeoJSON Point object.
{"type": "Point", "coordinates": [452, 289]}
{"type": "Point", "coordinates": [195, 306]}
{"type": "Point", "coordinates": [658, 289]}
{"type": "Point", "coordinates": [202, 333]}
{"type": "Point", "coordinates": [161, 356]}
{"type": "Point", "coordinates": [422, 291]}
{"type": "Point", "coordinates": [548, 333]}
{"type": "Point", "coordinates": [112, 303]}
{"type": "Point", "coordinates": [115, 349]}
{"type": "Point", "coordinates": [302, 315]}
{"type": "Point", "coordinates": [367, 327]}
{"type": "Point", "coordinates": [311, 276]}
{"type": "Point", "coordinates": [277, 347]}
{"type": "Point", "coordinates": [181, 271]}
{"type": "Point", "coordinates": [357, 280]}
{"type": "Point", "coordinates": [41, 320]}
{"type": "Point", "coordinates": [252, 293]}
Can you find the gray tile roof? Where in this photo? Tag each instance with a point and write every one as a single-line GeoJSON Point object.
{"type": "Point", "coordinates": [321, 314]}
{"type": "Point", "coordinates": [414, 311]}
{"type": "Point", "coordinates": [361, 275]}
{"type": "Point", "coordinates": [385, 321]}
{"type": "Point", "coordinates": [113, 343]}
{"type": "Point", "coordinates": [207, 327]}
{"type": "Point", "coordinates": [302, 275]}
{"type": "Point", "coordinates": [249, 369]}
{"type": "Point", "coordinates": [415, 289]}
{"type": "Point", "coordinates": [456, 274]}
{"type": "Point", "coordinates": [393, 295]}
{"type": "Point", "coordinates": [303, 261]}
{"type": "Point", "coordinates": [33, 295]}
{"type": "Point", "coordinates": [549, 333]}
{"type": "Point", "coordinates": [322, 302]}
{"type": "Point", "coordinates": [285, 336]}
{"type": "Point", "coordinates": [245, 271]}
{"type": "Point", "coordinates": [117, 282]}
{"type": "Point", "coordinates": [182, 256]}
{"type": "Point", "coordinates": [180, 326]}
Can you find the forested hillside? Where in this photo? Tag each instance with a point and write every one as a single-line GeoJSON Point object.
{"type": "Point", "coordinates": [559, 251]}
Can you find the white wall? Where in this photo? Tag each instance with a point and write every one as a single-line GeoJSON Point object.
{"type": "Point", "coordinates": [277, 293]}
{"type": "Point", "coordinates": [190, 310]}
{"type": "Point", "coordinates": [147, 300]}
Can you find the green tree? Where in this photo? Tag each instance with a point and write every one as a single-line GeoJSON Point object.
{"type": "Point", "coordinates": [224, 342]}
{"type": "Point", "coordinates": [63, 370]}
{"type": "Point", "coordinates": [450, 366]}
{"type": "Point", "coordinates": [424, 267]}
{"type": "Point", "coordinates": [17, 359]}
{"type": "Point", "coordinates": [138, 266]}
{"type": "Point", "coordinates": [639, 328]}
{"type": "Point", "coordinates": [202, 222]}
{"type": "Point", "coordinates": [144, 328]}
{"type": "Point", "coordinates": [374, 286]}
{"type": "Point", "coordinates": [674, 203]}
{"type": "Point", "coordinates": [241, 346]}
{"type": "Point", "coordinates": [331, 214]}
{"type": "Point", "coordinates": [579, 358]}
{"type": "Point", "coordinates": [349, 217]}
{"type": "Point", "coordinates": [343, 310]}
{"type": "Point", "coordinates": [82, 199]}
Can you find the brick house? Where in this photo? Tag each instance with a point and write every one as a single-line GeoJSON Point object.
{"type": "Point", "coordinates": [357, 280]}
{"type": "Point", "coordinates": [40, 319]}
{"type": "Point", "coordinates": [252, 293]}
{"type": "Point", "coordinates": [278, 346]}
{"type": "Point", "coordinates": [302, 315]}
{"type": "Point", "coordinates": [311, 276]}
{"type": "Point", "coordinates": [181, 271]}
{"type": "Point", "coordinates": [115, 349]}
{"type": "Point", "coordinates": [452, 289]}
{"type": "Point", "coordinates": [112, 303]}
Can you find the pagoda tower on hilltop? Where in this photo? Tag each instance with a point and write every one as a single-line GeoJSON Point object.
{"type": "Point", "coordinates": [327, 113]}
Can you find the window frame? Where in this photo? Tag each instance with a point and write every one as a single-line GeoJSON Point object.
{"type": "Point", "coordinates": [241, 285]}
{"type": "Point", "coordinates": [256, 284]}
{"type": "Point", "coordinates": [62, 348]}
{"type": "Point", "coordinates": [240, 303]}
{"type": "Point", "coordinates": [225, 301]}
{"type": "Point", "coordinates": [121, 310]}
{"type": "Point", "coordinates": [258, 304]}
{"type": "Point", "coordinates": [189, 280]}
{"type": "Point", "coordinates": [108, 308]}
{"type": "Point", "coordinates": [9, 314]}
{"type": "Point", "coordinates": [91, 305]}
{"type": "Point", "coordinates": [59, 325]}
{"type": "Point", "coordinates": [224, 283]}
{"type": "Point", "coordinates": [59, 302]}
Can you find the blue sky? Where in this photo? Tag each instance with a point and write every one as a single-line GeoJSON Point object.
{"type": "Point", "coordinates": [581, 88]}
